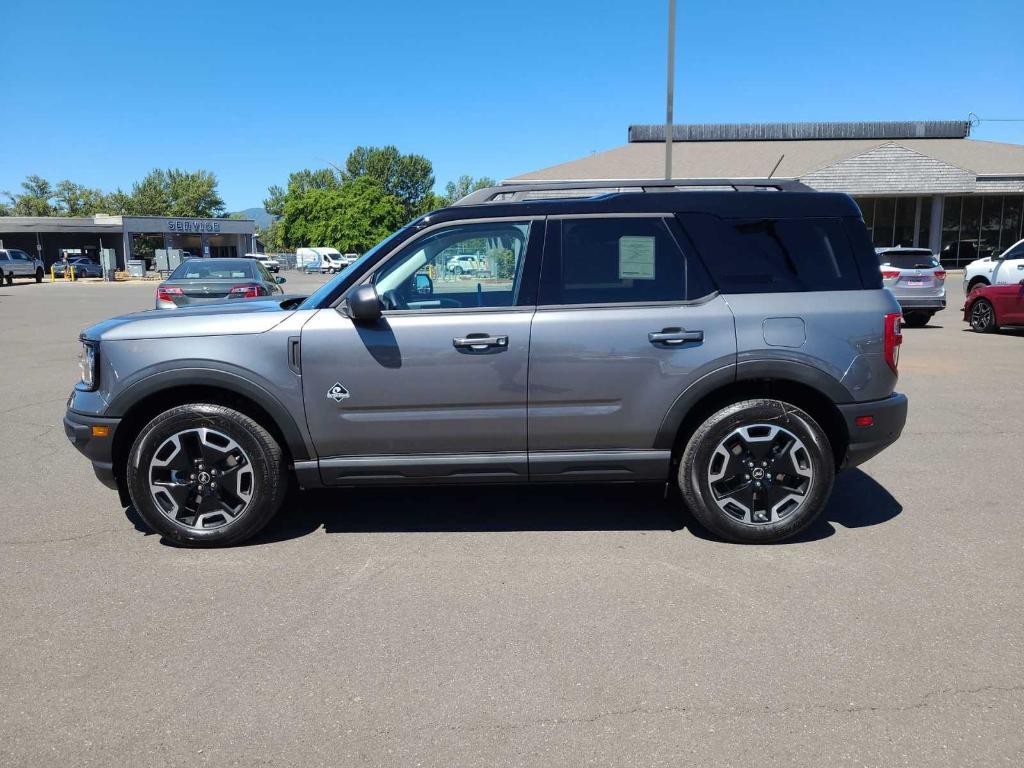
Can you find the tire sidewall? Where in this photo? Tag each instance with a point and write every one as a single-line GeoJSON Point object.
{"type": "Point", "coordinates": [264, 455]}
{"type": "Point", "coordinates": [693, 469]}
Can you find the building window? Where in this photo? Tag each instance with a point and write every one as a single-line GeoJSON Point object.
{"type": "Point", "coordinates": [991, 222]}
{"type": "Point", "coordinates": [903, 221]}
{"type": "Point", "coordinates": [867, 210]}
{"type": "Point", "coordinates": [885, 218]}
{"type": "Point", "coordinates": [1010, 231]}
{"type": "Point", "coordinates": [924, 223]}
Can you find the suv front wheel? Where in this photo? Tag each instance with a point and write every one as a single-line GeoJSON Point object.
{"type": "Point", "coordinates": [206, 475]}
{"type": "Point", "coordinates": [757, 471]}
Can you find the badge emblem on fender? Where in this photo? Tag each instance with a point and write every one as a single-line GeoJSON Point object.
{"type": "Point", "coordinates": [337, 393]}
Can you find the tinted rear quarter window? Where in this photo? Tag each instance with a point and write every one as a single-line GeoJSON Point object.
{"type": "Point", "coordinates": [627, 260]}
{"type": "Point", "coordinates": [775, 255]}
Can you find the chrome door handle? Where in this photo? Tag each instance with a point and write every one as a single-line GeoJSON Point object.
{"type": "Point", "coordinates": [674, 337]}
{"type": "Point", "coordinates": [481, 341]}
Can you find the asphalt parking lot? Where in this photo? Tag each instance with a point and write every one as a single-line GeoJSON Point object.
{"type": "Point", "coordinates": [532, 627]}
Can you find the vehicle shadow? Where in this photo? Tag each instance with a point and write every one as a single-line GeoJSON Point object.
{"type": "Point", "coordinates": [857, 501]}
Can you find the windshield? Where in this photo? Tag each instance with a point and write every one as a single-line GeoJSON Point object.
{"type": "Point", "coordinates": [908, 260]}
{"type": "Point", "coordinates": [214, 269]}
{"type": "Point", "coordinates": [343, 278]}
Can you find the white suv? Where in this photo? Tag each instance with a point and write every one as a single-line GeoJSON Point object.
{"type": "Point", "coordinates": [466, 264]}
{"type": "Point", "coordinates": [15, 263]}
{"type": "Point", "coordinates": [1004, 269]}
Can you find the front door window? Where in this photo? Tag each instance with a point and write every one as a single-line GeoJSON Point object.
{"type": "Point", "coordinates": [459, 267]}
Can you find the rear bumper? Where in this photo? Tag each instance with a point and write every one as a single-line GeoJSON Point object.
{"type": "Point", "coordinates": [888, 418]}
{"type": "Point", "coordinates": [98, 450]}
{"type": "Point", "coordinates": [922, 302]}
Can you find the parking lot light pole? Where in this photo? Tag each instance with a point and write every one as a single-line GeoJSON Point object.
{"type": "Point", "coordinates": [671, 86]}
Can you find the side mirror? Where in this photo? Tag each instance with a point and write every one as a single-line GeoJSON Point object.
{"type": "Point", "coordinates": [280, 280]}
{"type": "Point", "coordinates": [423, 285]}
{"type": "Point", "coordinates": [364, 304]}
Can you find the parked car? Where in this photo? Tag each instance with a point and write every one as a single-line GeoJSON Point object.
{"type": "Point", "coordinates": [916, 279]}
{"type": "Point", "coordinates": [201, 281]}
{"type": "Point", "coordinates": [15, 263]}
{"type": "Point", "coordinates": [1005, 269]}
{"type": "Point", "coordinates": [272, 265]}
{"type": "Point", "coordinates": [736, 345]}
{"type": "Point", "coordinates": [349, 258]}
{"type": "Point", "coordinates": [82, 266]}
{"type": "Point", "coordinates": [990, 307]}
{"type": "Point", "coordinates": [465, 264]}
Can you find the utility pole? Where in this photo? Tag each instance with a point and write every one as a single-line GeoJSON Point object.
{"type": "Point", "coordinates": [671, 86]}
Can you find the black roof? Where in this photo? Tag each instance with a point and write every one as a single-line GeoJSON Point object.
{"type": "Point", "coordinates": [726, 204]}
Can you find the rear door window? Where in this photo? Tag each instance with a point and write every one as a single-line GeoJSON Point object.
{"type": "Point", "coordinates": [774, 255]}
{"type": "Point", "coordinates": [628, 260]}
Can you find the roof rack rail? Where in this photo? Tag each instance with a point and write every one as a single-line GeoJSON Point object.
{"type": "Point", "coordinates": [514, 191]}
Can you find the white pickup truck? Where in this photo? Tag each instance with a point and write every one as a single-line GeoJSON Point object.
{"type": "Point", "coordinates": [15, 263]}
{"type": "Point", "coordinates": [1005, 269]}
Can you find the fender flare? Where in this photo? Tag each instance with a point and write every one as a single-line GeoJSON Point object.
{"type": "Point", "coordinates": [748, 370]}
{"type": "Point", "coordinates": [221, 376]}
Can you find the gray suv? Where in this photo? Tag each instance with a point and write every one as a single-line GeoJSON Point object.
{"type": "Point", "coordinates": [729, 338]}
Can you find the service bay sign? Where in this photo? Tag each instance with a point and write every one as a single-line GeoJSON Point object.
{"type": "Point", "coordinates": [193, 225]}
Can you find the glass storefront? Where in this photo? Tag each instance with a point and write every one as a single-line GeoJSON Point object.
{"type": "Point", "coordinates": [973, 226]}
{"type": "Point", "coordinates": [897, 220]}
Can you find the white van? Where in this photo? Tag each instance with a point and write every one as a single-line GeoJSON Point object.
{"type": "Point", "coordinates": [322, 259]}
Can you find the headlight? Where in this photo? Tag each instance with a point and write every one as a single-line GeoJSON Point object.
{"type": "Point", "coordinates": [87, 361]}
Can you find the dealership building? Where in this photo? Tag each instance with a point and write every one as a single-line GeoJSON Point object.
{"type": "Point", "coordinates": [922, 183]}
{"type": "Point", "coordinates": [51, 236]}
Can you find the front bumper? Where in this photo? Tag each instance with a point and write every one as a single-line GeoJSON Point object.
{"type": "Point", "coordinates": [888, 418]}
{"type": "Point", "coordinates": [99, 450]}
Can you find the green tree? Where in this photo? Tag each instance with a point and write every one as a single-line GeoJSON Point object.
{"type": "Point", "coordinates": [299, 182]}
{"type": "Point", "coordinates": [352, 217]}
{"type": "Point", "coordinates": [456, 190]}
{"type": "Point", "coordinates": [35, 199]}
{"type": "Point", "coordinates": [174, 193]}
{"type": "Point", "coordinates": [78, 200]}
{"type": "Point", "coordinates": [409, 178]}
{"type": "Point", "coordinates": [271, 238]}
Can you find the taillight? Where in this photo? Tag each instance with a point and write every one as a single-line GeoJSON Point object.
{"type": "Point", "coordinates": [940, 274]}
{"type": "Point", "coordinates": [245, 292]}
{"type": "Point", "coordinates": [887, 275]}
{"type": "Point", "coordinates": [893, 339]}
{"type": "Point", "coordinates": [168, 292]}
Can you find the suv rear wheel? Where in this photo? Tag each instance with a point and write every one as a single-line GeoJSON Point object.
{"type": "Point", "coordinates": [206, 475]}
{"type": "Point", "coordinates": [39, 274]}
{"type": "Point", "coordinates": [757, 471]}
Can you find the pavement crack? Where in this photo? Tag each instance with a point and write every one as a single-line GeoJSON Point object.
{"type": "Point", "coordinates": [59, 539]}
{"type": "Point", "coordinates": [924, 702]}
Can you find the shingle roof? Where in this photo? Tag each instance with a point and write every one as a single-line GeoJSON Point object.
{"type": "Point", "coordinates": [738, 159]}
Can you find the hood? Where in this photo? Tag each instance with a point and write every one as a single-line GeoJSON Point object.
{"type": "Point", "coordinates": [231, 318]}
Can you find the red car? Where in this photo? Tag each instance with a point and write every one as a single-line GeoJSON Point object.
{"type": "Point", "coordinates": [991, 306]}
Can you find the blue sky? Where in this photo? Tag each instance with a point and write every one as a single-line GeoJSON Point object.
{"type": "Point", "coordinates": [102, 92]}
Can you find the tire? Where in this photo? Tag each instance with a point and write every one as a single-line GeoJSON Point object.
{"type": "Point", "coordinates": [916, 319]}
{"type": "Point", "coordinates": [979, 283]}
{"type": "Point", "coordinates": [230, 445]}
{"type": "Point", "coordinates": [6, 278]}
{"type": "Point", "coordinates": [768, 431]}
{"type": "Point", "coordinates": [983, 317]}
{"type": "Point", "coordinates": [39, 275]}
{"type": "Point", "coordinates": [457, 271]}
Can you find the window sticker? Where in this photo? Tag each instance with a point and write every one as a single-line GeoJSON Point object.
{"type": "Point", "coordinates": [636, 257]}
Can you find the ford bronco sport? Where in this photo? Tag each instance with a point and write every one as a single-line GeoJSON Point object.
{"type": "Point", "coordinates": [729, 337]}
